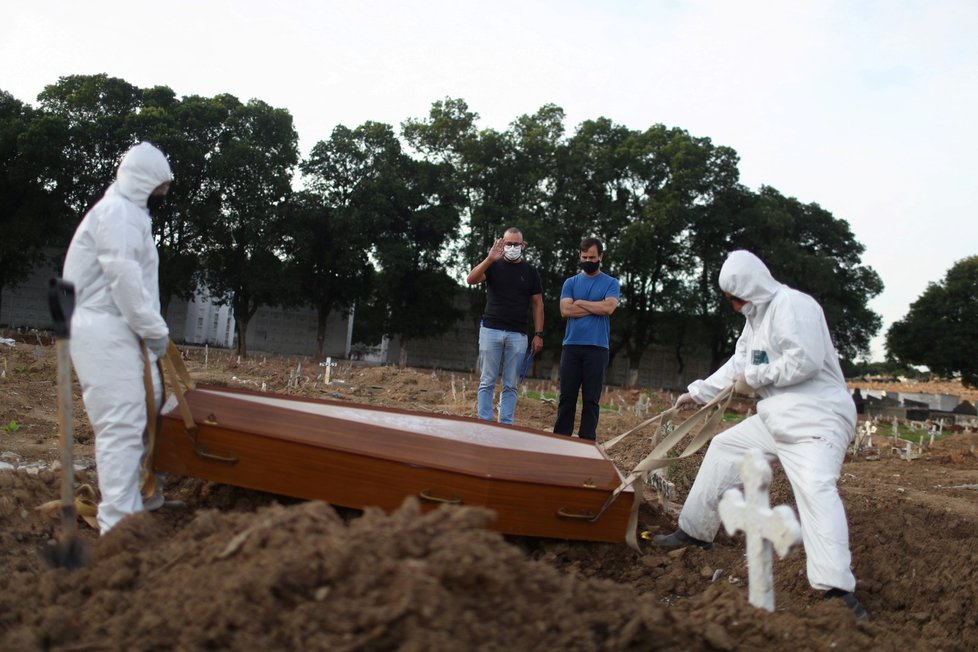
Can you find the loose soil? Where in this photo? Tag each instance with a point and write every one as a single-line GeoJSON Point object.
{"type": "Point", "coordinates": [238, 569]}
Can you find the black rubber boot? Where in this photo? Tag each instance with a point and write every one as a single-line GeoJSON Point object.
{"type": "Point", "coordinates": [678, 539]}
{"type": "Point", "coordinates": [850, 601]}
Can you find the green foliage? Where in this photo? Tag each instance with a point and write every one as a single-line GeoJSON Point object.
{"type": "Point", "coordinates": [12, 427]}
{"type": "Point", "coordinates": [244, 244]}
{"type": "Point", "coordinates": [28, 210]}
{"type": "Point", "coordinates": [885, 369]}
{"type": "Point", "coordinates": [96, 114]}
{"type": "Point", "coordinates": [386, 224]}
{"type": "Point", "coordinates": [806, 247]}
{"type": "Point", "coordinates": [941, 329]}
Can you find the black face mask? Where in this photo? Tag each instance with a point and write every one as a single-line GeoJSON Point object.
{"type": "Point", "coordinates": [589, 266]}
{"type": "Point", "coordinates": [154, 203]}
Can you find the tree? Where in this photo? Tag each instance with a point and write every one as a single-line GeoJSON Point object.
{"type": "Point", "coordinates": [336, 223]}
{"type": "Point", "coordinates": [670, 178]}
{"type": "Point", "coordinates": [808, 248]}
{"type": "Point", "coordinates": [98, 112]}
{"type": "Point", "coordinates": [189, 132]}
{"type": "Point", "coordinates": [941, 328]}
{"type": "Point", "coordinates": [413, 284]}
{"type": "Point", "coordinates": [27, 207]}
{"type": "Point", "coordinates": [243, 257]}
{"type": "Point", "coordinates": [708, 242]}
{"type": "Point", "coordinates": [803, 245]}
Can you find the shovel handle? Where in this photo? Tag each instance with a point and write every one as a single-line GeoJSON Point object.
{"type": "Point", "coordinates": [61, 299]}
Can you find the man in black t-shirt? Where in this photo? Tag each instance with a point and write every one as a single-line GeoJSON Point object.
{"type": "Point", "coordinates": [513, 286]}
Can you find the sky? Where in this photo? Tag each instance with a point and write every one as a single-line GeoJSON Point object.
{"type": "Point", "coordinates": [867, 108]}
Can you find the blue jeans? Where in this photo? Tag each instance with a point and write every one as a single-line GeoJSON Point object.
{"type": "Point", "coordinates": [497, 349]}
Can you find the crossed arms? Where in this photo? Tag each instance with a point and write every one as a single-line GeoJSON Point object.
{"type": "Point", "coordinates": [571, 308]}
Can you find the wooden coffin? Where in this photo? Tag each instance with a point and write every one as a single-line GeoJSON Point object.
{"type": "Point", "coordinates": [539, 484]}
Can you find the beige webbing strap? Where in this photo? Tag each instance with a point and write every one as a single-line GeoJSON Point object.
{"type": "Point", "coordinates": [181, 382]}
{"type": "Point", "coordinates": [86, 506]}
{"type": "Point", "coordinates": [176, 373]}
{"type": "Point", "coordinates": [707, 419]}
{"type": "Point", "coordinates": [662, 418]}
{"type": "Point", "coordinates": [176, 360]}
{"type": "Point", "coordinates": [148, 485]}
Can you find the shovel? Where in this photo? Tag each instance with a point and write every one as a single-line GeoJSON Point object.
{"type": "Point", "coordinates": [68, 551]}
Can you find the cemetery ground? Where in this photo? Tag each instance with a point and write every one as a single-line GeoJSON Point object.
{"type": "Point", "coordinates": [238, 569]}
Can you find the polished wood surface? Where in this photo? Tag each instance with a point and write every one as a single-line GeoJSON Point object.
{"type": "Point", "coordinates": [307, 449]}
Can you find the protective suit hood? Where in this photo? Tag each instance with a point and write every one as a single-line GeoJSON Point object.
{"type": "Point", "coordinates": [141, 171]}
{"type": "Point", "coordinates": [746, 277]}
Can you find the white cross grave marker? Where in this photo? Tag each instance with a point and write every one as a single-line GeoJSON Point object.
{"type": "Point", "coordinates": [765, 528]}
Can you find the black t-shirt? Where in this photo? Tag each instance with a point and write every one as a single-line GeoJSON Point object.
{"type": "Point", "coordinates": [510, 286]}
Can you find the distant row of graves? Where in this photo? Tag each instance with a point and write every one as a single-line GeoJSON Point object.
{"type": "Point", "coordinates": [913, 406]}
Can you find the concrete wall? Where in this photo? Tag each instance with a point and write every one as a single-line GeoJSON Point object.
{"type": "Point", "coordinates": [198, 321]}
{"type": "Point", "coordinates": [459, 351]}
{"type": "Point", "coordinates": [273, 330]}
{"type": "Point", "coordinates": [27, 306]}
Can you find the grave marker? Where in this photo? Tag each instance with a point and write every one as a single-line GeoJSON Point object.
{"type": "Point", "coordinates": [765, 528]}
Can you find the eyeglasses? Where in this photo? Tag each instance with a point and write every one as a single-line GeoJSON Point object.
{"type": "Point", "coordinates": [512, 244]}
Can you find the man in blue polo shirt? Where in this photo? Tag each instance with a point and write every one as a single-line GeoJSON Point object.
{"type": "Point", "coordinates": [586, 302]}
{"type": "Point", "coordinates": [513, 287]}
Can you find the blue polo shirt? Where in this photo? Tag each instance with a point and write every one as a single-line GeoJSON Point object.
{"type": "Point", "coordinates": [592, 330]}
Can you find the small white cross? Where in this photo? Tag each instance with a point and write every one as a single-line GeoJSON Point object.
{"type": "Point", "coordinates": [765, 528]}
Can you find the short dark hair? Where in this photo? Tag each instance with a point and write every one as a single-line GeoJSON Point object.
{"type": "Point", "coordinates": [587, 243]}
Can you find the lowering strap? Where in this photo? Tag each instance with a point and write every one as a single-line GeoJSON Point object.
{"type": "Point", "coordinates": [86, 506]}
{"type": "Point", "coordinates": [180, 381]}
{"type": "Point", "coordinates": [175, 372]}
{"type": "Point", "coordinates": [147, 477]}
{"type": "Point", "coordinates": [706, 419]}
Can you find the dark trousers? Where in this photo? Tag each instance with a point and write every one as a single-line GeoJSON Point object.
{"type": "Point", "coordinates": [581, 369]}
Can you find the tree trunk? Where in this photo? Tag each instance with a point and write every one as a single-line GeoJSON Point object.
{"type": "Point", "coordinates": [322, 314]}
{"type": "Point", "coordinates": [241, 327]}
{"type": "Point", "coordinates": [634, 364]}
{"type": "Point", "coordinates": [631, 380]}
{"type": "Point", "coordinates": [165, 304]}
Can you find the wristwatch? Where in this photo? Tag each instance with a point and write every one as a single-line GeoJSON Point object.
{"type": "Point", "coordinates": [538, 334]}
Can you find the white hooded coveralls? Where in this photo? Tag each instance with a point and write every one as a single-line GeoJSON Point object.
{"type": "Point", "coordinates": [113, 263]}
{"type": "Point", "coordinates": [805, 418]}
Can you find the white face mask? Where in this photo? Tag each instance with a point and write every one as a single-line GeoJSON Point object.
{"type": "Point", "coordinates": [512, 252]}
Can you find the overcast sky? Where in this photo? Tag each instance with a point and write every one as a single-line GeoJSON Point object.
{"type": "Point", "coordinates": [866, 108]}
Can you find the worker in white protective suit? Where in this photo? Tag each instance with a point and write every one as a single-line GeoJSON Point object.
{"type": "Point", "coordinates": [113, 263]}
{"type": "Point", "coordinates": [805, 418]}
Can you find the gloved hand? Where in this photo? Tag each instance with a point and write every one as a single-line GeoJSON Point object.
{"type": "Point", "coordinates": [157, 345]}
{"type": "Point", "coordinates": [741, 386]}
{"type": "Point", "coordinates": [686, 402]}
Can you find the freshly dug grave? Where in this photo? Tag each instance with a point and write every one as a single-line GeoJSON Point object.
{"type": "Point", "coordinates": [237, 569]}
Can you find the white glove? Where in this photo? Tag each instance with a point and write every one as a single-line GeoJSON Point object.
{"type": "Point", "coordinates": [686, 402]}
{"type": "Point", "coordinates": [741, 386]}
{"type": "Point", "coordinates": [157, 346]}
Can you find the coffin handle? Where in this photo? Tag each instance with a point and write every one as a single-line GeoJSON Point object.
{"type": "Point", "coordinates": [426, 495]}
{"type": "Point", "coordinates": [586, 515]}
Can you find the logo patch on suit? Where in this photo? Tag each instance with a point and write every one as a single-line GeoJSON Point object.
{"type": "Point", "coordinates": [758, 357]}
